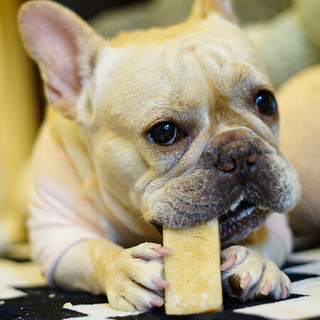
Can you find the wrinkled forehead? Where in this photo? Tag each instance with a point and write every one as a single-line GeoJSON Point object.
{"type": "Point", "coordinates": [177, 67]}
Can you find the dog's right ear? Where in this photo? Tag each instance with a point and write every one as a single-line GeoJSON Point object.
{"type": "Point", "coordinates": [201, 9]}
{"type": "Point", "coordinates": [63, 46]}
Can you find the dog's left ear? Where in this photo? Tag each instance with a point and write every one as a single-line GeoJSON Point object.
{"type": "Point", "coordinates": [63, 46]}
{"type": "Point", "coordinates": [201, 9]}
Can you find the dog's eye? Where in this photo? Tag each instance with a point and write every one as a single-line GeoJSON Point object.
{"type": "Point", "coordinates": [266, 103]}
{"type": "Point", "coordinates": [163, 133]}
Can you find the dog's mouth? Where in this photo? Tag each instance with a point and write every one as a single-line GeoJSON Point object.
{"type": "Point", "coordinates": [238, 211]}
{"type": "Point", "coordinates": [238, 221]}
{"type": "Point", "coordinates": [242, 217]}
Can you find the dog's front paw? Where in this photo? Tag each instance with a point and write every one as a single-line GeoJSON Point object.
{"type": "Point", "coordinates": [134, 280]}
{"type": "Point", "coordinates": [248, 275]}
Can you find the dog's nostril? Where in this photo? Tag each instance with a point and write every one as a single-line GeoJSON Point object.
{"type": "Point", "coordinates": [252, 158]}
{"type": "Point", "coordinates": [226, 166]}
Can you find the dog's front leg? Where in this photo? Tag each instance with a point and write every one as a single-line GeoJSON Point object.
{"type": "Point", "coordinates": [132, 278]}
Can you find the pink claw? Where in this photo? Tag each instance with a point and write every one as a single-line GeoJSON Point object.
{"type": "Point", "coordinates": [229, 263]}
{"type": "Point", "coordinates": [162, 250]}
{"type": "Point", "coordinates": [284, 292]}
{"type": "Point", "coordinates": [244, 284]}
{"type": "Point", "coordinates": [160, 282]}
{"type": "Point", "coordinates": [157, 302]}
{"type": "Point", "coordinates": [266, 288]}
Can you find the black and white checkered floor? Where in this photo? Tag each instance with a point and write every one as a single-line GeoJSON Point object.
{"type": "Point", "coordinates": [24, 294]}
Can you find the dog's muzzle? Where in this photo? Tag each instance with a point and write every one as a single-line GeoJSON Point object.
{"type": "Point", "coordinates": [239, 179]}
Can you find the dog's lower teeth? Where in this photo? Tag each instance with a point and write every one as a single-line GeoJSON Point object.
{"type": "Point", "coordinates": [242, 210]}
{"type": "Point", "coordinates": [244, 213]}
{"type": "Point", "coordinates": [236, 203]}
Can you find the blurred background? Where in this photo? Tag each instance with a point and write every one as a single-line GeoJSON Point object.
{"type": "Point", "coordinates": [285, 31]}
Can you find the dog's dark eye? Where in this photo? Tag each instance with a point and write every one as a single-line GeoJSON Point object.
{"type": "Point", "coordinates": [266, 103]}
{"type": "Point", "coordinates": [163, 133]}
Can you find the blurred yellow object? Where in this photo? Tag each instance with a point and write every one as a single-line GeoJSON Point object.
{"type": "Point", "coordinates": [18, 120]}
{"type": "Point", "coordinates": [299, 105]}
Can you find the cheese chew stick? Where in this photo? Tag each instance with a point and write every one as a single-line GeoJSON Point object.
{"type": "Point", "coordinates": [193, 269]}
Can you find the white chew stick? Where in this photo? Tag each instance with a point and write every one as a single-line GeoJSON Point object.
{"type": "Point", "coordinates": [193, 270]}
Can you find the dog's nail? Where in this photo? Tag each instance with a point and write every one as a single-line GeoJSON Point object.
{"type": "Point", "coordinates": [160, 282]}
{"type": "Point", "coordinates": [244, 284]}
{"type": "Point", "coordinates": [284, 292]}
{"type": "Point", "coordinates": [266, 288]}
{"type": "Point", "coordinates": [157, 302]}
{"type": "Point", "coordinates": [162, 250]}
{"type": "Point", "coordinates": [229, 263]}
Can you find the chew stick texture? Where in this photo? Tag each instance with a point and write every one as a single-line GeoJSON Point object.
{"type": "Point", "coordinates": [193, 270]}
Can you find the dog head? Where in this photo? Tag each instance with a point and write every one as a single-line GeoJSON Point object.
{"type": "Point", "coordinates": [181, 123]}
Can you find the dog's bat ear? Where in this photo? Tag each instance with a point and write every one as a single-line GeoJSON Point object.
{"type": "Point", "coordinates": [63, 46]}
{"type": "Point", "coordinates": [201, 9]}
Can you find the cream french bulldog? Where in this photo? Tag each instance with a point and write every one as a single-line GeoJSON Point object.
{"type": "Point", "coordinates": [164, 127]}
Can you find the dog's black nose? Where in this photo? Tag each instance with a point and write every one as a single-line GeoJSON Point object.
{"type": "Point", "coordinates": [238, 158]}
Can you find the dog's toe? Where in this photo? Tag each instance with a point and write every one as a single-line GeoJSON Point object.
{"type": "Point", "coordinates": [121, 303]}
